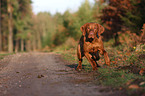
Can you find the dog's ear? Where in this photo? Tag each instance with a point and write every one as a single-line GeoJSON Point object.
{"type": "Point", "coordinates": [83, 29]}
{"type": "Point", "coordinates": [100, 29]}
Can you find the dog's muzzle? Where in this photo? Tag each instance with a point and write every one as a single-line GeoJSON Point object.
{"type": "Point", "coordinates": [91, 35]}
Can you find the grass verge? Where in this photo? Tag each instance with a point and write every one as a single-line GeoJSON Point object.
{"type": "Point", "coordinates": [5, 54]}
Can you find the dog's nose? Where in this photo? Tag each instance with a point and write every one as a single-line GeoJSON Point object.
{"type": "Point", "coordinates": [91, 33]}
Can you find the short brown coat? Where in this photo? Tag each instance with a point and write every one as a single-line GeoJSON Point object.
{"type": "Point", "coordinates": [91, 44]}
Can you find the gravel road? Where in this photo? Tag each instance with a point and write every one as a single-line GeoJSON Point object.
{"type": "Point", "coordinates": [45, 74]}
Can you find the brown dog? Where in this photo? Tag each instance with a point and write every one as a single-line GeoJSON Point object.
{"type": "Point", "coordinates": [91, 44]}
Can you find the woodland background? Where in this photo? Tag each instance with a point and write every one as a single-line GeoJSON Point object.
{"type": "Point", "coordinates": [22, 30]}
{"type": "Point", "coordinates": [124, 37]}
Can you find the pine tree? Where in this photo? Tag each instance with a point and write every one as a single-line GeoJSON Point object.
{"type": "Point", "coordinates": [23, 13]}
{"type": "Point", "coordinates": [135, 16]}
{"type": "Point", "coordinates": [4, 24]}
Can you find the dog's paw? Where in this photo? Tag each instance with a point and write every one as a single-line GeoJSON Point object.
{"type": "Point", "coordinates": [108, 63]}
{"type": "Point", "coordinates": [95, 68]}
{"type": "Point", "coordinates": [79, 68]}
{"type": "Point", "coordinates": [98, 65]}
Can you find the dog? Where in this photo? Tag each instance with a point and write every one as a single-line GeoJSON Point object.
{"type": "Point", "coordinates": [91, 45]}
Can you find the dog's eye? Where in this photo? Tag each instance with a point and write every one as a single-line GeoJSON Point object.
{"type": "Point", "coordinates": [95, 27]}
{"type": "Point", "coordinates": [88, 27]}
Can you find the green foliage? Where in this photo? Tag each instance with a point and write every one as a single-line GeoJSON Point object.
{"type": "Point", "coordinates": [111, 77]}
{"type": "Point", "coordinates": [132, 59]}
{"type": "Point", "coordinates": [45, 26]}
{"type": "Point", "coordinates": [84, 15]}
{"type": "Point", "coordinates": [70, 43]}
{"type": "Point", "coordinates": [62, 27]}
{"type": "Point", "coordinates": [97, 11]}
{"type": "Point", "coordinates": [5, 54]}
{"type": "Point", "coordinates": [45, 29]}
{"type": "Point", "coordinates": [134, 18]}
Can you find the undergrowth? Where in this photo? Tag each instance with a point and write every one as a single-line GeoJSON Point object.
{"type": "Point", "coordinates": [126, 64]}
{"type": "Point", "coordinates": [5, 54]}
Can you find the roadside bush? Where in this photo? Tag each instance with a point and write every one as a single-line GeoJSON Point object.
{"type": "Point", "coordinates": [68, 44]}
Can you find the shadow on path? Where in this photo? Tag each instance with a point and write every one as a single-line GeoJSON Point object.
{"type": "Point", "coordinates": [75, 66]}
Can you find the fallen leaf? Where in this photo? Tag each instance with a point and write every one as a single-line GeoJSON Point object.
{"type": "Point", "coordinates": [142, 83]}
{"type": "Point", "coordinates": [128, 54]}
{"type": "Point", "coordinates": [20, 85]}
{"type": "Point", "coordinates": [42, 75]}
{"type": "Point", "coordinates": [39, 76]}
{"type": "Point", "coordinates": [134, 86]}
{"type": "Point", "coordinates": [122, 76]}
{"type": "Point", "coordinates": [120, 88]}
{"type": "Point", "coordinates": [131, 63]}
{"type": "Point", "coordinates": [142, 71]}
{"type": "Point", "coordinates": [129, 82]}
{"type": "Point", "coordinates": [17, 72]}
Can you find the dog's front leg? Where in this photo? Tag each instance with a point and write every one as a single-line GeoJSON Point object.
{"type": "Point", "coordinates": [79, 67]}
{"type": "Point", "coordinates": [107, 60]}
{"type": "Point", "coordinates": [93, 63]}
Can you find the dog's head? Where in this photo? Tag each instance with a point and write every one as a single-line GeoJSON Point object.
{"type": "Point", "coordinates": [92, 30]}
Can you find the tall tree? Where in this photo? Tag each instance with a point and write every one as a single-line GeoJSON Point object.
{"type": "Point", "coordinates": [118, 13]}
{"type": "Point", "coordinates": [111, 17]}
{"type": "Point", "coordinates": [45, 28]}
{"type": "Point", "coordinates": [24, 11]}
{"type": "Point", "coordinates": [85, 12]}
{"type": "Point", "coordinates": [134, 17]}
{"type": "Point", "coordinates": [10, 25]}
{"type": "Point", "coordinates": [59, 37]}
{"type": "Point", "coordinates": [0, 28]}
{"type": "Point", "coordinates": [97, 9]}
{"type": "Point", "coordinates": [82, 16]}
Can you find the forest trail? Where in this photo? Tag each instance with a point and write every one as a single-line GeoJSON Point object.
{"type": "Point", "coordinates": [45, 74]}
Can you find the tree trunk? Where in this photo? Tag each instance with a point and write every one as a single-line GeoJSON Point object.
{"type": "Point", "coordinates": [5, 43]}
{"type": "Point", "coordinates": [39, 40]}
{"type": "Point", "coordinates": [116, 43]}
{"type": "Point", "coordinates": [34, 44]}
{"type": "Point", "coordinates": [0, 40]}
{"type": "Point", "coordinates": [0, 30]}
{"type": "Point", "coordinates": [17, 46]}
{"type": "Point", "coordinates": [10, 27]}
{"type": "Point", "coordinates": [22, 45]}
{"type": "Point", "coordinates": [28, 45]}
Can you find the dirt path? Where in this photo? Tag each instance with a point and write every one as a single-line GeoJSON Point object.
{"type": "Point", "coordinates": [44, 74]}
